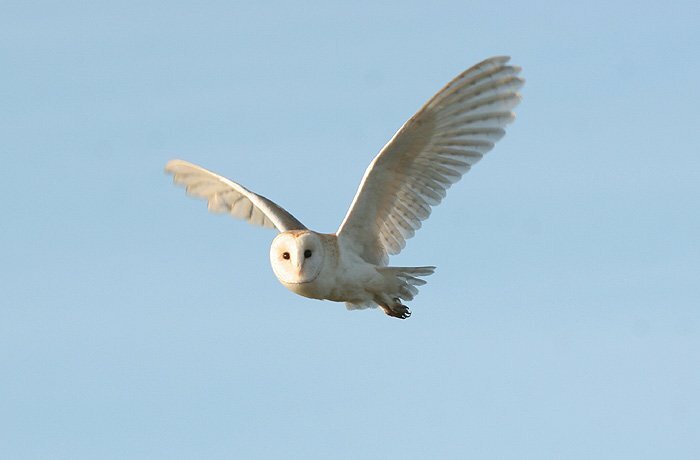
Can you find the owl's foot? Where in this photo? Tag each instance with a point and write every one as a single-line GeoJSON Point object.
{"type": "Point", "coordinates": [397, 310]}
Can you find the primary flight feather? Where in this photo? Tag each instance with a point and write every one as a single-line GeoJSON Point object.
{"type": "Point", "coordinates": [408, 177]}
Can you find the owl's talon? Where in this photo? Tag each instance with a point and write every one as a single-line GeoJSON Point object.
{"type": "Point", "coordinates": [397, 311]}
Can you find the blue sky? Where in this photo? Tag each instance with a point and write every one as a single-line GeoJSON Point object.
{"type": "Point", "coordinates": [563, 320]}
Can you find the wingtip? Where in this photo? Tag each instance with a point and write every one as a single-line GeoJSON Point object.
{"type": "Point", "coordinates": [501, 59]}
{"type": "Point", "coordinates": [172, 166]}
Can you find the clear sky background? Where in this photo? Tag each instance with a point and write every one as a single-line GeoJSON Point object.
{"type": "Point", "coordinates": [563, 320]}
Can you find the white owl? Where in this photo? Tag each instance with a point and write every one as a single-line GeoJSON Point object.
{"type": "Point", "coordinates": [409, 176]}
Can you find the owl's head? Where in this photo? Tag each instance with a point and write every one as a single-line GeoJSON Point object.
{"type": "Point", "coordinates": [297, 256]}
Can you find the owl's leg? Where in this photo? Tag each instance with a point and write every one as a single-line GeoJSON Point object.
{"type": "Point", "coordinates": [396, 309]}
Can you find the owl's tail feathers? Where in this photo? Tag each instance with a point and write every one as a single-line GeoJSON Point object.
{"type": "Point", "coordinates": [400, 285]}
{"type": "Point", "coordinates": [405, 279]}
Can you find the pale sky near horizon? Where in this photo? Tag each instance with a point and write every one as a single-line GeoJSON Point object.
{"type": "Point", "coordinates": [563, 320]}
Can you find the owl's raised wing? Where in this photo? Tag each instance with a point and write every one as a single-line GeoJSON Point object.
{"type": "Point", "coordinates": [227, 196]}
{"type": "Point", "coordinates": [428, 154]}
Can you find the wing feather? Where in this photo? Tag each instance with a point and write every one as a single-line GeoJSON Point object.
{"type": "Point", "coordinates": [428, 154]}
{"type": "Point", "coordinates": [226, 196]}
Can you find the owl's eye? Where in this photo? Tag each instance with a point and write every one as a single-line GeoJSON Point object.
{"type": "Point", "coordinates": [307, 253]}
{"type": "Point", "coordinates": [285, 255]}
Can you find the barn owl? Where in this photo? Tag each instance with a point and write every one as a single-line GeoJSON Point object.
{"type": "Point", "coordinates": [408, 177]}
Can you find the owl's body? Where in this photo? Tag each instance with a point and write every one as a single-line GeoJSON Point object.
{"type": "Point", "coordinates": [408, 177]}
{"type": "Point", "coordinates": [318, 266]}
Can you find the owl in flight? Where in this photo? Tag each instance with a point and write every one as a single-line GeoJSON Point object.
{"type": "Point", "coordinates": [409, 176]}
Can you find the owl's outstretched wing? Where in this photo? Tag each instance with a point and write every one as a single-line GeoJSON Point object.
{"type": "Point", "coordinates": [227, 196]}
{"type": "Point", "coordinates": [428, 154]}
